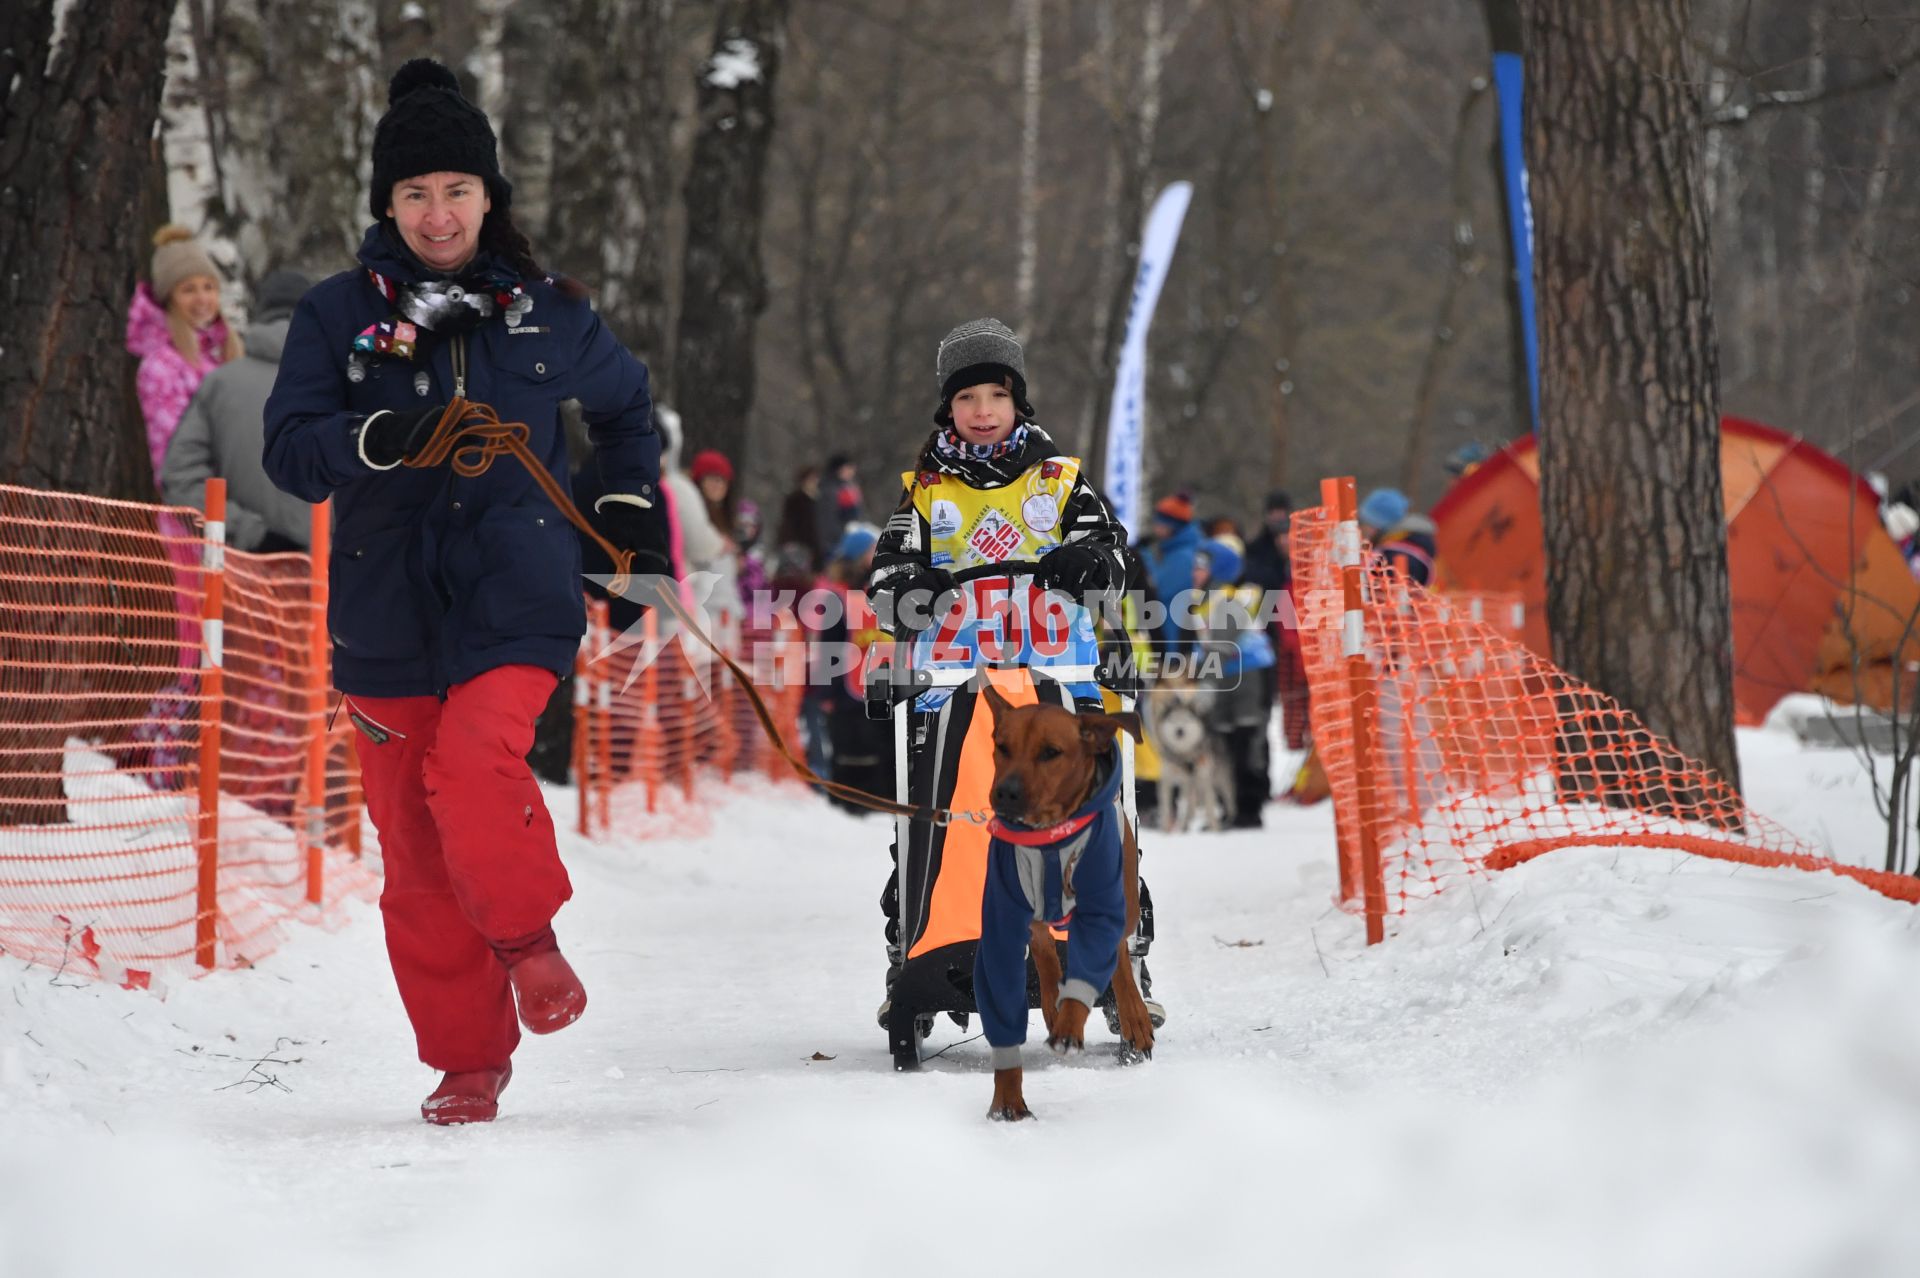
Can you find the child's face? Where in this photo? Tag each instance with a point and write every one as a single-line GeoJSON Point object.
{"type": "Point", "coordinates": [983, 414]}
{"type": "Point", "coordinates": [196, 299]}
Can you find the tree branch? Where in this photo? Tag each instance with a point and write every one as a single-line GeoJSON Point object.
{"type": "Point", "coordinates": [1738, 113]}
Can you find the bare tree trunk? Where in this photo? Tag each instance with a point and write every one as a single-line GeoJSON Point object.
{"type": "Point", "coordinates": [723, 286]}
{"type": "Point", "coordinates": [300, 91]}
{"type": "Point", "coordinates": [1506, 34]}
{"type": "Point", "coordinates": [531, 42]}
{"type": "Point", "coordinates": [1101, 340]}
{"type": "Point", "coordinates": [75, 125]}
{"type": "Point", "coordinates": [1031, 88]}
{"type": "Point", "coordinates": [327, 85]}
{"type": "Point", "coordinates": [1816, 162]}
{"type": "Point", "coordinates": [268, 119]}
{"type": "Point", "coordinates": [1463, 263]}
{"type": "Point", "coordinates": [607, 156]}
{"type": "Point", "coordinates": [1275, 184]}
{"type": "Point", "coordinates": [635, 246]}
{"type": "Point", "coordinates": [1130, 218]}
{"type": "Point", "coordinates": [587, 144]}
{"type": "Point", "coordinates": [1631, 498]}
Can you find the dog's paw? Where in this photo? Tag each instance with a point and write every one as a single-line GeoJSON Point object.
{"type": "Point", "coordinates": [1136, 1035]}
{"type": "Point", "coordinates": [1068, 1034]}
{"type": "Point", "coordinates": [1128, 1054]}
{"type": "Point", "coordinates": [1008, 1105]}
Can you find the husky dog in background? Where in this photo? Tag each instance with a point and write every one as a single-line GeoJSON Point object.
{"type": "Point", "coordinates": [1196, 787]}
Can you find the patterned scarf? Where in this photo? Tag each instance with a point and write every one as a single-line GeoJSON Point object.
{"type": "Point", "coordinates": [985, 465]}
{"type": "Point", "coordinates": [950, 446]}
{"type": "Point", "coordinates": [439, 308]}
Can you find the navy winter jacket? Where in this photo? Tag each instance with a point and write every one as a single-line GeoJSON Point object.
{"type": "Point", "coordinates": [436, 578]}
{"type": "Point", "coordinates": [1078, 876]}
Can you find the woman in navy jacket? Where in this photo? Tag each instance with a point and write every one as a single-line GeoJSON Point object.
{"type": "Point", "coordinates": [455, 602]}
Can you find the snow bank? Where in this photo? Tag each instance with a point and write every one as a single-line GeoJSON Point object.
{"type": "Point", "coordinates": [1601, 1062]}
{"type": "Point", "coordinates": [125, 865]}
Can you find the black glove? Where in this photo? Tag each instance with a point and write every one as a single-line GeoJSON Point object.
{"type": "Point", "coordinates": [921, 598]}
{"type": "Point", "coordinates": [640, 529]}
{"type": "Point", "coordinates": [1075, 570]}
{"type": "Point", "coordinates": [388, 438]}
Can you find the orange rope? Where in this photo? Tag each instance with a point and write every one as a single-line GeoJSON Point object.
{"type": "Point", "coordinates": [486, 438]}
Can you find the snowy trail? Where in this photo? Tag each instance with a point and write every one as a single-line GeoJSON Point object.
{"type": "Point", "coordinates": [1598, 1063]}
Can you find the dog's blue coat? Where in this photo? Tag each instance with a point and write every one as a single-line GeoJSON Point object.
{"type": "Point", "coordinates": [1097, 902]}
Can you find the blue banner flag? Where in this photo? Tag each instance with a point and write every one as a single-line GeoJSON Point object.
{"type": "Point", "coordinates": [1127, 418]}
{"type": "Point", "coordinates": [1508, 81]}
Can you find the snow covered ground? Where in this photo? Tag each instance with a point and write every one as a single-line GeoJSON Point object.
{"type": "Point", "coordinates": [1606, 1062]}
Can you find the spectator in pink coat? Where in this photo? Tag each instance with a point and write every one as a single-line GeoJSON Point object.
{"type": "Point", "coordinates": [175, 326]}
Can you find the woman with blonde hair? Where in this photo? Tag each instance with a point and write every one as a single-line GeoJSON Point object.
{"type": "Point", "coordinates": [175, 326]}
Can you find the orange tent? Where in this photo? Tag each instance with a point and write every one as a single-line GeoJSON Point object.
{"type": "Point", "coordinates": [1804, 541]}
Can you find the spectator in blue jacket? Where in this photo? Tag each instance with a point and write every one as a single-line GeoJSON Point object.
{"type": "Point", "coordinates": [1244, 686]}
{"type": "Point", "coordinates": [1403, 539]}
{"type": "Point", "coordinates": [1170, 564]}
{"type": "Point", "coordinates": [456, 599]}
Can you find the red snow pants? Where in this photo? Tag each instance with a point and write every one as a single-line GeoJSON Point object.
{"type": "Point", "coordinates": [469, 853]}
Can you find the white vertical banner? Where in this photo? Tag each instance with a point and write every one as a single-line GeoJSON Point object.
{"type": "Point", "coordinates": [1126, 419]}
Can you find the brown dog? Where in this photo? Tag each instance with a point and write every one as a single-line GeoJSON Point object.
{"type": "Point", "coordinates": [1044, 769]}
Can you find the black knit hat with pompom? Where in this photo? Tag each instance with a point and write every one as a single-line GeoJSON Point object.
{"type": "Point", "coordinates": [430, 127]}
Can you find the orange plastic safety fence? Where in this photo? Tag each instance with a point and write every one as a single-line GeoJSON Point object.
{"type": "Point", "coordinates": [110, 685]}
{"type": "Point", "coordinates": [663, 732]}
{"type": "Point", "coordinates": [1452, 748]}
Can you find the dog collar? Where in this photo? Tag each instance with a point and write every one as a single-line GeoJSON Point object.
{"type": "Point", "coordinates": [1034, 838]}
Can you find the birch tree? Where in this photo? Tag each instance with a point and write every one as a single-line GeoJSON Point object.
{"type": "Point", "coordinates": [723, 286]}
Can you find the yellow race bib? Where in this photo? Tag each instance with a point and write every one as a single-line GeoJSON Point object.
{"type": "Point", "coordinates": [971, 527]}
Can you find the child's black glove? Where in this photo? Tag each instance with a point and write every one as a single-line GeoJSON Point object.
{"type": "Point", "coordinates": [921, 598]}
{"type": "Point", "coordinates": [1075, 570]}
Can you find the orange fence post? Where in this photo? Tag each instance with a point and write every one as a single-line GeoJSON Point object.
{"type": "Point", "coordinates": [356, 803]}
{"type": "Point", "coordinates": [582, 724]}
{"type": "Point", "coordinates": [720, 699]}
{"type": "Point", "coordinates": [781, 646]}
{"type": "Point", "coordinates": [319, 544]}
{"type": "Point", "coordinates": [213, 564]}
{"type": "Point", "coordinates": [689, 699]}
{"type": "Point", "coordinates": [646, 726]}
{"type": "Point", "coordinates": [1363, 701]}
{"type": "Point", "coordinates": [603, 713]}
{"type": "Point", "coordinates": [1346, 855]}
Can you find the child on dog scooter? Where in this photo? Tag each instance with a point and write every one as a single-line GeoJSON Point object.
{"type": "Point", "coordinates": [989, 486]}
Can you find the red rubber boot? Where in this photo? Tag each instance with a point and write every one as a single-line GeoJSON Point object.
{"type": "Point", "coordinates": [471, 1096]}
{"type": "Point", "coordinates": [548, 992]}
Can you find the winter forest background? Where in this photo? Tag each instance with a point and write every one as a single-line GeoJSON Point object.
{"type": "Point", "coordinates": [1341, 300]}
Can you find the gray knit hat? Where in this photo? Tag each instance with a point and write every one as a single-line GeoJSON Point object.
{"type": "Point", "coordinates": [177, 256]}
{"type": "Point", "coordinates": [982, 350]}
